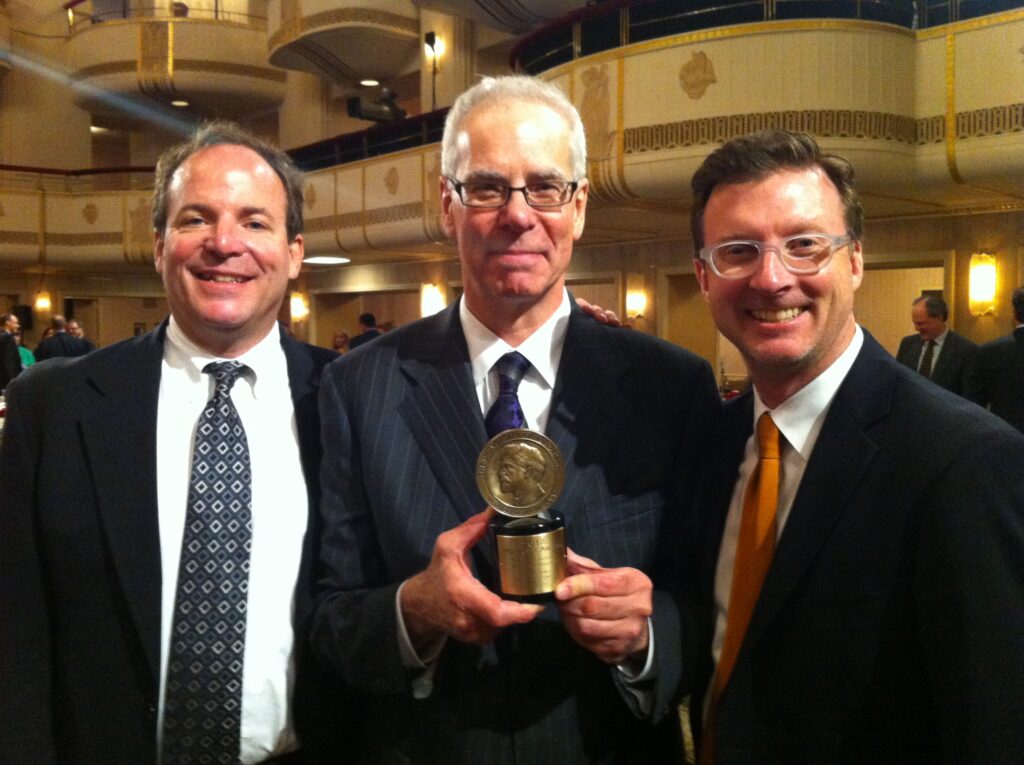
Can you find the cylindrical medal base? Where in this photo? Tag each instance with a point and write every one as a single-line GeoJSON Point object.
{"type": "Point", "coordinates": [531, 556]}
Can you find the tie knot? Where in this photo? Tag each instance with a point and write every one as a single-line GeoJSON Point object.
{"type": "Point", "coordinates": [767, 438]}
{"type": "Point", "coordinates": [511, 368]}
{"type": "Point", "coordinates": [225, 373]}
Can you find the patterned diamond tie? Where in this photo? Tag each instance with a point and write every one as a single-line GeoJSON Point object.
{"type": "Point", "coordinates": [505, 412]}
{"type": "Point", "coordinates": [203, 706]}
{"type": "Point", "coordinates": [755, 546]}
{"type": "Point", "coordinates": [926, 358]}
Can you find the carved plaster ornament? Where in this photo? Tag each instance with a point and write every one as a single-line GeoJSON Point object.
{"type": "Point", "coordinates": [594, 110]}
{"type": "Point", "coordinates": [696, 74]}
{"type": "Point", "coordinates": [90, 213]}
{"type": "Point", "coordinates": [310, 196]}
{"type": "Point", "coordinates": [391, 180]}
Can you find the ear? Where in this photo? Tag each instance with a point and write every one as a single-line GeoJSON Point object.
{"type": "Point", "coordinates": [296, 251]}
{"type": "Point", "coordinates": [700, 270]}
{"type": "Point", "coordinates": [856, 264]}
{"type": "Point", "coordinates": [447, 199]}
{"type": "Point", "coordinates": [158, 251]}
{"type": "Point", "coordinates": [579, 209]}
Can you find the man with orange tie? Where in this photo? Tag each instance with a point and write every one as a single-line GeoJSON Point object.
{"type": "Point", "coordinates": [862, 602]}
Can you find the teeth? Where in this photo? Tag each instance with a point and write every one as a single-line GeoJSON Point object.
{"type": "Point", "coordinates": [786, 314]}
{"type": "Point", "coordinates": [222, 279]}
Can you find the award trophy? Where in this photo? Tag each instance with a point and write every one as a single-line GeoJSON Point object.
{"type": "Point", "coordinates": [520, 474]}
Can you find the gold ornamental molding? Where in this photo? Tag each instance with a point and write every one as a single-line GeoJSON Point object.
{"type": "Point", "coordinates": [185, 65]}
{"type": "Point", "coordinates": [85, 240]}
{"type": "Point", "coordinates": [878, 126]}
{"type": "Point", "coordinates": [300, 26]}
{"type": "Point", "coordinates": [19, 237]}
{"type": "Point", "coordinates": [823, 123]}
{"type": "Point", "coordinates": [379, 215]}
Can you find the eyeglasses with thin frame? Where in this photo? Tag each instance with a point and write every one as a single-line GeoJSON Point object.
{"type": "Point", "coordinates": [542, 194]}
{"type": "Point", "coordinates": [800, 254]}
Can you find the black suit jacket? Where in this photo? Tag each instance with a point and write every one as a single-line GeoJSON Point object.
{"type": "Point", "coordinates": [955, 364]}
{"type": "Point", "coordinates": [80, 555]}
{"type": "Point", "coordinates": [62, 344]}
{"type": "Point", "coordinates": [10, 359]}
{"type": "Point", "coordinates": [402, 432]}
{"type": "Point", "coordinates": [890, 627]}
{"type": "Point", "coordinates": [999, 378]}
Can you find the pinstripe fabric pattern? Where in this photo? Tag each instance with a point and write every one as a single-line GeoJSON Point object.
{"type": "Point", "coordinates": [402, 430]}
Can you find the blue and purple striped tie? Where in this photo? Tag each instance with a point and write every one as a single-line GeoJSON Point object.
{"type": "Point", "coordinates": [506, 412]}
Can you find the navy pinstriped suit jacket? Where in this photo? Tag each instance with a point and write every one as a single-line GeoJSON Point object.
{"type": "Point", "coordinates": [402, 430]}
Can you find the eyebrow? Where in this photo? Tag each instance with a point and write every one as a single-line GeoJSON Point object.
{"type": "Point", "coordinates": [490, 176]}
{"type": "Point", "coordinates": [246, 212]}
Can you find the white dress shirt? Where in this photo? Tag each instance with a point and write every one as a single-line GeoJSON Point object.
{"type": "Point", "coordinates": [799, 419]}
{"type": "Point", "coordinates": [280, 504]}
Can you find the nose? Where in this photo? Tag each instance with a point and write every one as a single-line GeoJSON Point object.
{"type": "Point", "coordinates": [771, 275]}
{"type": "Point", "coordinates": [227, 238]}
{"type": "Point", "coordinates": [516, 213]}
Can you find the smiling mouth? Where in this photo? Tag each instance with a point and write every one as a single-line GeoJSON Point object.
{"type": "Point", "coordinates": [777, 316]}
{"type": "Point", "coordinates": [222, 279]}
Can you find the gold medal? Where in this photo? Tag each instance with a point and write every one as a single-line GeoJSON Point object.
{"type": "Point", "coordinates": [520, 473]}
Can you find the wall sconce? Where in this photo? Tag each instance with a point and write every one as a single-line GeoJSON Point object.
{"type": "Point", "coordinates": [432, 299]}
{"type": "Point", "coordinates": [636, 303]}
{"type": "Point", "coordinates": [42, 301]}
{"type": "Point", "coordinates": [433, 49]}
{"type": "Point", "coordinates": [982, 284]}
{"type": "Point", "coordinates": [299, 306]}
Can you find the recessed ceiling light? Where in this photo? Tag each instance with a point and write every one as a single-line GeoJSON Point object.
{"type": "Point", "coordinates": [368, 83]}
{"type": "Point", "coordinates": [179, 103]}
{"type": "Point", "coordinates": [326, 260]}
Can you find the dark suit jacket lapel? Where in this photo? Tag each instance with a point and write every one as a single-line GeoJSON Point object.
{"type": "Point", "coordinates": [841, 456]}
{"type": "Point", "coordinates": [441, 408]}
{"type": "Point", "coordinates": [118, 428]}
{"type": "Point", "coordinates": [588, 406]}
{"type": "Point", "coordinates": [304, 383]}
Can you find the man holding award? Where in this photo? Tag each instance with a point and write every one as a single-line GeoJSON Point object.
{"type": "Point", "coordinates": [478, 638]}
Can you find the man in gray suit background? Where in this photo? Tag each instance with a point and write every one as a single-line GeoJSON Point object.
{"type": "Point", "coordinates": [936, 351]}
{"type": "Point", "coordinates": [457, 674]}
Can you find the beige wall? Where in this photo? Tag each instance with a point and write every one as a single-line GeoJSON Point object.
{"type": "Point", "coordinates": [884, 299]}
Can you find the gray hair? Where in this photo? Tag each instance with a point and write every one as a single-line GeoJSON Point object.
{"type": "Point", "coordinates": [224, 132]}
{"type": "Point", "coordinates": [515, 87]}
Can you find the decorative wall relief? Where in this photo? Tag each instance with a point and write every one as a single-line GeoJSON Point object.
{"type": "Point", "coordinates": [696, 75]}
{"type": "Point", "coordinates": [595, 111]}
{"type": "Point", "coordinates": [138, 244]}
{"type": "Point", "coordinates": [90, 213]}
{"type": "Point", "coordinates": [391, 181]}
{"type": "Point", "coordinates": [310, 196]}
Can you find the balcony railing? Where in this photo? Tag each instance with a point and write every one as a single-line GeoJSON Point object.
{"type": "Point", "coordinates": [617, 23]}
{"type": "Point", "coordinates": [85, 13]}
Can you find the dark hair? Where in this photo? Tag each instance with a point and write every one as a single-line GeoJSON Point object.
{"type": "Point", "coordinates": [935, 306]}
{"type": "Point", "coordinates": [368, 320]}
{"type": "Point", "coordinates": [228, 133]}
{"type": "Point", "coordinates": [1018, 304]}
{"type": "Point", "coordinates": [758, 155]}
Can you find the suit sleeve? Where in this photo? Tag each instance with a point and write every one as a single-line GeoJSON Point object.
{"type": "Point", "coordinates": [354, 628]}
{"type": "Point", "coordinates": [675, 630]}
{"type": "Point", "coordinates": [25, 667]}
{"type": "Point", "coordinates": [969, 591]}
{"type": "Point", "coordinates": [968, 373]}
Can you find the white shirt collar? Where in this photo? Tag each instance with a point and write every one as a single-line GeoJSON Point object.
{"type": "Point", "coordinates": [940, 339]}
{"type": "Point", "coordinates": [264, 359]}
{"type": "Point", "coordinates": [543, 349]}
{"type": "Point", "coordinates": [799, 418]}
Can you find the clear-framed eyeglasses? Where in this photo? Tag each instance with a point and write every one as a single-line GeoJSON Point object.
{"type": "Point", "coordinates": [542, 194]}
{"type": "Point", "coordinates": [801, 254]}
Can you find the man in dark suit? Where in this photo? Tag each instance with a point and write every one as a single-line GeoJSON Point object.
{"type": "Point", "coordinates": [61, 343]}
{"type": "Point", "coordinates": [10, 358]}
{"type": "Point", "coordinates": [861, 590]}
{"type": "Point", "coordinates": [457, 674]}
{"type": "Point", "coordinates": [95, 487]}
{"type": "Point", "coordinates": [998, 381]}
{"type": "Point", "coordinates": [75, 328]}
{"type": "Point", "coordinates": [367, 331]}
{"type": "Point", "coordinates": [936, 351]}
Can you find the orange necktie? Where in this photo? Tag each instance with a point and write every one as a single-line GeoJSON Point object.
{"type": "Point", "coordinates": [754, 548]}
